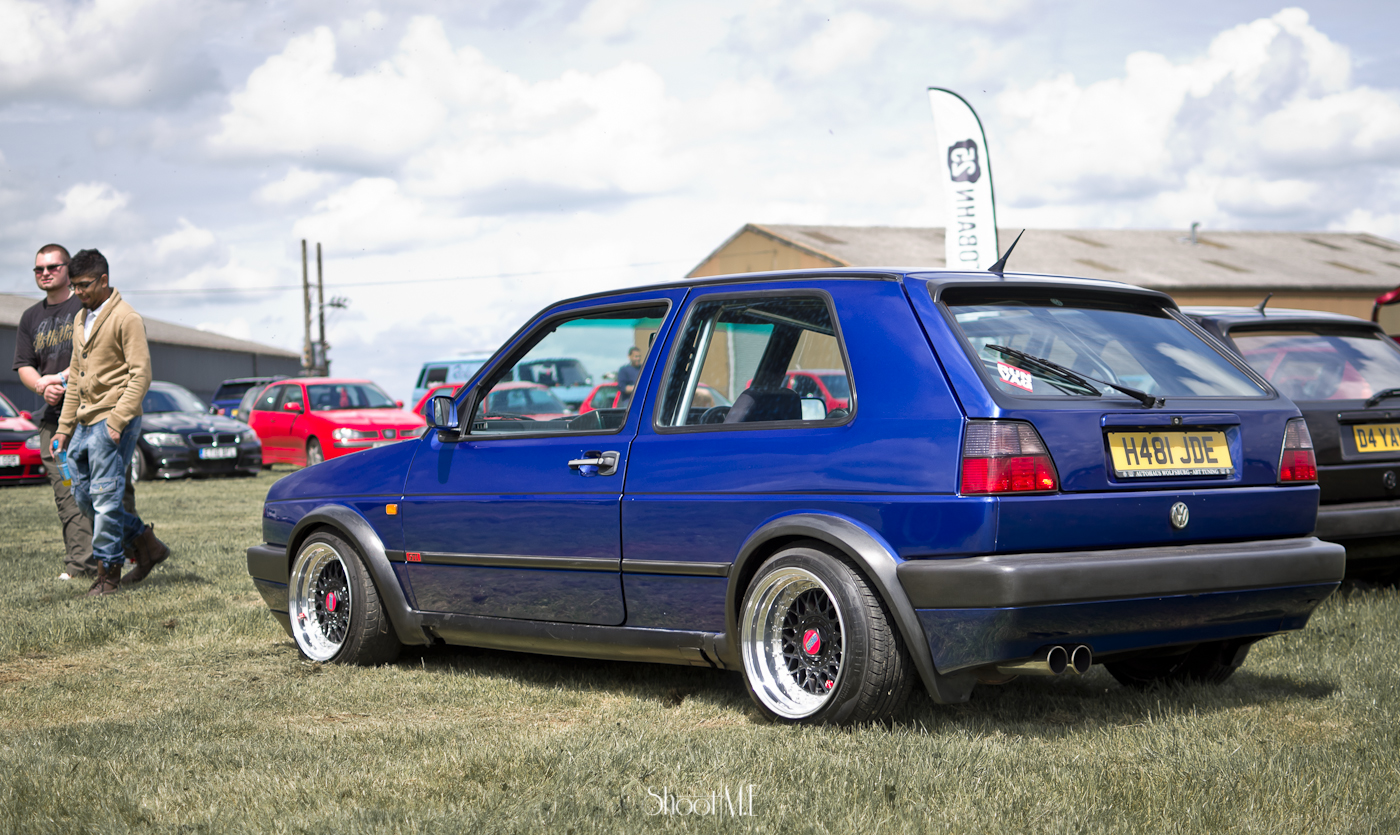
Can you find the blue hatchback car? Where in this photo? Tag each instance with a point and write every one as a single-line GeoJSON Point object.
{"type": "Point", "coordinates": [1032, 475]}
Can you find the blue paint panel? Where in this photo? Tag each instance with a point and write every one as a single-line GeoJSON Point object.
{"type": "Point", "coordinates": [529, 594]}
{"type": "Point", "coordinates": [1050, 522]}
{"type": "Point", "coordinates": [669, 602]}
{"type": "Point", "coordinates": [560, 525]}
{"type": "Point", "coordinates": [962, 638]}
{"type": "Point", "coordinates": [370, 472]}
{"type": "Point", "coordinates": [712, 528]}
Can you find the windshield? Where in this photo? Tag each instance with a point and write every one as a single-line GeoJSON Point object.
{"type": "Point", "coordinates": [524, 401]}
{"type": "Point", "coordinates": [171, 400]}
{"type": "Point", "coordinates": [330, 397]}
{"type": "Point", "coordinates": [1130, 343]}
{"type": "Point", "coordinates": [7, 411]}
{"type": "Point", "coordinates": [233, 391]}
{"type": "Point", "coordinates": [1313, 365]}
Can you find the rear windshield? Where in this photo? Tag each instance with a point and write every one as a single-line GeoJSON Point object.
{"type": "Point", "coordinates": [1318, 365]}
{"type": "Point", "coordinates": [233, 391]}
{"type": "Point", "coordinates": [1130, 343]}
{"type": "Point", "coordinates": [170, 400]}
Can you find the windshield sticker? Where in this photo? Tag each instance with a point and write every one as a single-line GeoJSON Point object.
{"type": "Point", "coordinates": [1011, 375]}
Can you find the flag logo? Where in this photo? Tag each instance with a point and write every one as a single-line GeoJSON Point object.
{"type": "Point", "coordinates": [963, 165]}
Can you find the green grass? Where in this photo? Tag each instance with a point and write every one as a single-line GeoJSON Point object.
{"type": "Point", "coordinates": [180, 706]}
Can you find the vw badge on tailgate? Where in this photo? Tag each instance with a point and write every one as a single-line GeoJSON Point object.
{"type": "Point", "coordinates": [1180, 515]}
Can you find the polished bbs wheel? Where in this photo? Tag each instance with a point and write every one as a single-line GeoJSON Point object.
{"type": "Point", "coordinates": [334, 607]}
{"type": "Point", "coordinates": [816, 643]}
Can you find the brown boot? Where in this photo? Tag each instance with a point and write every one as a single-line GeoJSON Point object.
{"type": "Point", "coordinates": [108, 579]}
{"type": "Point", "coordinates": [149, 552]}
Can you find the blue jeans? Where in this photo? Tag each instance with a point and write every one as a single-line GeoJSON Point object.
{"type": "Point", "coordinates": [98, 467]}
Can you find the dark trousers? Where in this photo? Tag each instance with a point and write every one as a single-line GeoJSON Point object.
{"type": "Point", "coordinates": [77, 529]}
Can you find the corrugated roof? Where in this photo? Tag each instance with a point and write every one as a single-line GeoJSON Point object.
{"type": "Point", "coordinates": [12, 307]}
{"type": "Point", "coordinates": [1161, 259]}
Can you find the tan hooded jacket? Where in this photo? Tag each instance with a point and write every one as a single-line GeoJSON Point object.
{"type": "Point", "coordinates": [110, 372]}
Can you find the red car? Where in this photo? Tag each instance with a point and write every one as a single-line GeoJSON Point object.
{"type": "Point", "coordinates": [605, 396]}
{"type": "Point", "coordinates": [528, 400]}
{"type": "Point", "coordinates": [449, 389]}
{"type": "Point", "coordinates": [309, 419]}
{"type": "Point", "coordinates": [19, 446]}
{"type": "Point", "coordinates": [830, 384]}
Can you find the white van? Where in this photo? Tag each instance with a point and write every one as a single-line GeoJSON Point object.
{"type": "Point", "coordinates": [454, 370]}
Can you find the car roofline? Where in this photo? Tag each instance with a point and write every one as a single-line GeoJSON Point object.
{"type": "Point", "coordinates": [1228, 315]}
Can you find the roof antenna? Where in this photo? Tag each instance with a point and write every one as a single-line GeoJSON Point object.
{"type": "Point", "coordinates": [1000, 266]}
{"type": "Point", "coordinates": [1260, 308]}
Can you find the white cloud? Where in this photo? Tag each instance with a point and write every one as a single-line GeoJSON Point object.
{"type": "Point", "coordinates": [298, 184]}
{"type": "Point", "coordinates": [87, 208]}
{"type": "Point", "coordinates": [373, 214]}
{"type": "Point", "coordinates": [981, 11]}
{"type": "Point", "coordinates": [605, 19]}
{"type": "Point", "coordinates": [1246, 132]}
{"type": "Point", "coordinates": [186, 240]}
{"type": "Point", "coordinates": [113, 53]}
{"type": "Point", "coordinates": [846, 40]}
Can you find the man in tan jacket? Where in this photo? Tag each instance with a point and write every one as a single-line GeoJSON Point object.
{"type": "Point", "coordinates": [101, 420]}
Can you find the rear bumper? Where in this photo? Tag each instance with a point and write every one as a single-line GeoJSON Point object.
{"type": "Point", "coordinates": [1358, 520]}
{"type": "Point", "coordinates": [985, 610]}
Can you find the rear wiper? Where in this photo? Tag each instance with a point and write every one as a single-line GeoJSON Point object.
{"type": "Point", "coordinates": [1147, 400]}
{"type": "Point", "coordinates": [1381, 395]}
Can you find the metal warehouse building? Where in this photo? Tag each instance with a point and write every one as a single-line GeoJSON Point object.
{"type": "Point", "coordinates": [1341, 272]}
{"type": "Point", "coordinates": [195, 359]}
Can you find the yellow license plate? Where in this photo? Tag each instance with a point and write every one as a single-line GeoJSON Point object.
{"type": "Point", "coordinates": [1157, 454]}
{"type": "Point", "coordinates": [1377, 437]}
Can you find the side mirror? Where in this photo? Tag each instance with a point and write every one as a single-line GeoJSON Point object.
{"type": "Point", "coordinates": [291, 407]}
{"type": "Point", "coordinates": [26, 415]}
{"type": "Point", "coordinates": [442, 416]}
{"type": "Point", "coordinates": [398, 404]}
{"type": "Point", "coordinates": [813, 408]}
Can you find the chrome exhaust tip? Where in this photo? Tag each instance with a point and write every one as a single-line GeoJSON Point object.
{"type": "Point", "coordinates": [1047, 661]}
{"type": "Point", "coordinates": [1081, 658]}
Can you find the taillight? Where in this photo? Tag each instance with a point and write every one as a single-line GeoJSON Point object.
{"type": "Point", "coordinates": [1297, 463]}
{"type": "Point", "coordinates": [1006, 457]}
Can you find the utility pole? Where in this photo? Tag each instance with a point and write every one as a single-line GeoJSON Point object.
{"type": "Point", "coordinates": [308, 356]}
{"type": "Point", "coordinates": [323, 357]}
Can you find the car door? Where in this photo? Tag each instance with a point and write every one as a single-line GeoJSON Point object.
{"type": "Point", "coordinates": [512, 521]}
{"type": "Point", "coordinates": [271, 424]}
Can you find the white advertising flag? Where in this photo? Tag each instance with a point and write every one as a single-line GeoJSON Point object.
{"type": "Point", "coordinates": [962, 159]}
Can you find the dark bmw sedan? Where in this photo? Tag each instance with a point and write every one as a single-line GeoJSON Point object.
{"type": "Point", "coordinates": [1344, 374]}
{"type": "Point", "coordinates": [180, 438]}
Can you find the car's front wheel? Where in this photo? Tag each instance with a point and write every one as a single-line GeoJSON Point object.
{"type": "Point", "coordinates": [314, 455]}
{"type": "Point", "coordinates": [1209, 663]}
{"type": "Point", "coordinates": [140, 470]}
{"type": "Point", "coordinates": [817, 644]}
{"type": "Point", "coordinates": [334, 607]}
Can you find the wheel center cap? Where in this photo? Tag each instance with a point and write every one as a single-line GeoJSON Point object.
{"type": "Point", "coordinates": [811, 642]}
{"type": "Point", "coordinates": [331, 601]}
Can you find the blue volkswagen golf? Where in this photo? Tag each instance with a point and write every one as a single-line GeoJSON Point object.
{"type": "Point", "coordinates": [1032, 475]}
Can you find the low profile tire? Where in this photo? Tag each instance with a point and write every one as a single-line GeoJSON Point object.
{"type": "Point", "coordinates": [140, 470]}
{"type": "Point", "coordinates": [817, 644]}
{"type": "Point", "coordinates": [335, 609]}
{"type": "Point", "coordinates": [1208, 663]}
{"type": "Point", "coordinates": [314, 455]}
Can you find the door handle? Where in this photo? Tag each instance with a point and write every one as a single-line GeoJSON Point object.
{"type": "Point", "coordinates": [595, 463]}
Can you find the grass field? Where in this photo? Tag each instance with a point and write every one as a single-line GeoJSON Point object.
{"type": "Point", "coordinates": [180, 706]}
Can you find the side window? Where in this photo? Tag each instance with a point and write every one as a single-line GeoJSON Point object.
{"type": "Point", "coordinates": [742, 351]}
{"type": "Point", "coordinates": [293, 395]}
{"type": "Point", "coordinates": [268, 401]}
{"type": "Point", "coordinates": [542, 389]}
{"type": "Point", "coordinates": [436, 374]}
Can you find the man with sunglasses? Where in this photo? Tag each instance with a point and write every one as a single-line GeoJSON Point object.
{"type": "Point", "coordinates": [109, 374]}
{"type": "Point", "coordinates": [43, 345]}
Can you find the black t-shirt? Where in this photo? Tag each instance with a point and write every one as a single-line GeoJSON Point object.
{"type": "Point", "coordinates": [44, 342]}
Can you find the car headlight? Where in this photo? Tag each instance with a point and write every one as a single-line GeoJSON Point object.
{"type": "Point", "coordinates": [32, 442]}
{"type": "Point", "coordinates": [165, 439]}
{"type": "Point", "coordinates": [346, 434]}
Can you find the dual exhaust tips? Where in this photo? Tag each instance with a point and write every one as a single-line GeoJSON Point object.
{"type": "Point", "coordinates": [1052, 661]}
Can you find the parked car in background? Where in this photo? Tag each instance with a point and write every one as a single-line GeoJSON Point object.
{"type": "Point", "coordinates": [421, 407]}
{"type": "Point", "coordinates": [179, 437]}
{"type": "Point", "coordinates": [1039, 474]}
{"type": "Point", "coordinates": [607, 396]}
{"type": "Point", "coordinates": [230, 393]}
{"type": "Point", "coordinates": [1344, 374]}
{"type": "Point", "coordinates": [19, 446]}
{"type": "Point", "coordinates": [307, 420]}
{"type": "Point", "coordinates": [245, 403]}
{"type": "Point", "coordinates": [454, 370]}
{"type": "Point", "coordinates": [1386, 312]}
{"type": "Point", "coordinates": [565, 377]}
{"type": "Point", "coordinates": [530, 401]}
{"type": "Point", "coordinates": [830, 384]}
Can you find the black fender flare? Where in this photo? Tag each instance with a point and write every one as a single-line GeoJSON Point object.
{"type": "Point", "coordinates": [408, 624]}
{"type": "Point", "coordinates": [876, 560]}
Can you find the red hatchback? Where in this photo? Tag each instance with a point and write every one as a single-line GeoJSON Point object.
{"type": "Point", "coordinates": [310, 419]}
{"type": "Point", "coordinates": [19, 446]}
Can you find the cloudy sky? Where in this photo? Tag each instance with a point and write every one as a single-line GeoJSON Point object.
{"type": "Point", "coordinates": [464, 164]}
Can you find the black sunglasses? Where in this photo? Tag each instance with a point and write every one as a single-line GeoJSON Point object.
{"type": "Point", "coordinates": [49, 268]}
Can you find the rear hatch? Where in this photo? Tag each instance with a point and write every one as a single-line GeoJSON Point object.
{"type": "Point", "coordinates": [1139, 410]}
{"type": "Point", "coordinates": [1339, 376]}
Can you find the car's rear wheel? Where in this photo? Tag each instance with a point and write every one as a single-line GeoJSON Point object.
{"type": "Point", "coordinates": [1209, 663]}
{"type": "Point", "coordinates": [335, 609]}
{"type": "Point", "coordinates": [314, 455]}
{"type": "Point", "coordinates": [817, 644]}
